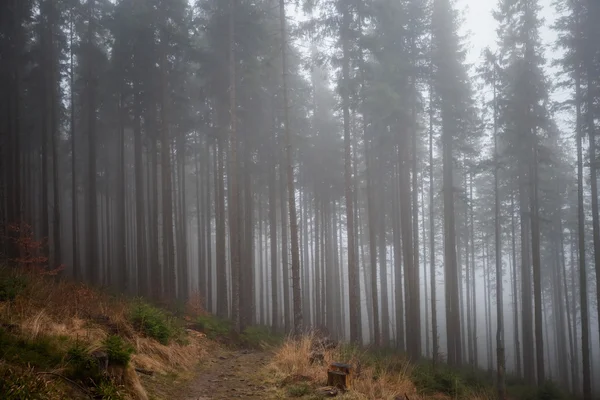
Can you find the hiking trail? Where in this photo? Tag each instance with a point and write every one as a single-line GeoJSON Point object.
{"type": "Point", "coordinates": [232, 374]}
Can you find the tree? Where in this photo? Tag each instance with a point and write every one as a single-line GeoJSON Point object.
{"type": "Point", "coordinates": [297, 296]}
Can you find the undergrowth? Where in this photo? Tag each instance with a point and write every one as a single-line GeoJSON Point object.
{"type": "Point", "coordinates": [119, 352]}
{"type": "Point", "coordinates": [154, 322]}
{"type": "Point", "coordinates": [213, 326]}
{"type": "Point", "coordinates": [10, 285]}
{"type": "Point", "coordinates": [20, 385]}
{"type": "Point", "coordinates": [56, 334]}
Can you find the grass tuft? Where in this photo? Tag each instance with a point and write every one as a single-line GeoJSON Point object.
{"type": "Point", "coordinates": [299, 390]}
{"type": "Point", "coordinates": [19, 385]}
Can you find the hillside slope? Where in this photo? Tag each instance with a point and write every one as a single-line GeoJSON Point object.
{"type": "Point", "coordinates": [65, 340]}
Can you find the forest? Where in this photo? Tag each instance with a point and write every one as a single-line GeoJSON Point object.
{"type": "Point", "coordinates": [331, 165]}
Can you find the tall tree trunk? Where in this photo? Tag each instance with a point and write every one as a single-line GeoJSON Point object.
{"type": "Point", "coordinates": [297, 295]}
{"type": "Point", "coordinates": [74, 202]}
{"type": "Point", "coordinates": [585, 340]}
{"type": "Point", "coordinates": [122, 283]}
{"type": "Point", "coordinates": [140, 208]}
{"type": "Point", "coordinates": [500, 362]}
{"type": "Point", "coordinates": [166, 178]}
{"type": "Point", "coordinates": [413, 339]}
{"type": "Point", "coordinates": [234, 217]}
{"type": "Point", "coordinates": [92, 203]}
{"type": "Point", "coordinates": [537, 279]}
{"type": "Point", "coordinates": [514, 287]}
{"type": "Point", "coordinates": [273, 244]}
{"type": "Point", "coordinates": [432, 275]}
{"type": "Point", "coordinates": [450, 265]}
{"type": "Point", "coordinates": [399, 292]}
{"type": "Point", "coordinates": [221, 266]}
{"type": "Point", "coordinates": [526, 300]}
{"type": "Point", "coordinates": [283, 198]}
{"type": "Point", "coordinates": [591, 100]}
{"type": "Point", "coordinates": [354, 289]}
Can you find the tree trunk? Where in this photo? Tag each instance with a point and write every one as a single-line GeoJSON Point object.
{"type": "Point", "coordinates": [92, 204]}
{"type": "Point", "coordinates": [74, 202]}
{"type": "Point", "coordinates": [585, 340]}
{"type": "Point", "coordinates": [500, 362]}
{"type": "Point", "coordinates": [354, 289]}
{"type": "Point", "coordinates": [234, 192]}
{"type": "Point", "coordinates": [514, 288]}
{"type": "Point", "coordinates": [432, 275]}
{"type": "Point", "coordinates": [297, 295]}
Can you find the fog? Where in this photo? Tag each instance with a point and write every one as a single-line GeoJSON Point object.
{"type": "Point", "coordinates": [360, 168]}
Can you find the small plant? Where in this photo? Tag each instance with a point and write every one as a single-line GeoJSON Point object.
{"type": "Point", "coordinates": [11, 286]}
{"type": "Point", "coordinates": [106, 390]}
{"type": "Point", "coordinates": [119, 352]}
{"type": "Point", "coordinates": [153, 322]}
{"type": "Point", "coordinates": [299, 390]}
{"type": "Point", "coordinates": [81, 365]}
{"type": "Point", "coordinates": [214, 327]}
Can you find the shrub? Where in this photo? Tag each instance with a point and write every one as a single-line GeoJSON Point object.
{"type": "Point", "coordinates": [439, 380]}
{"type": "Point", "coordinates": [213, 327]}
{"type": "Point", "coordinates": [11, 286]}
{"type": "Point", "coordinates": [257, 336]}
{"type": "Point", "coordinates": [81, 365]}
{"type": "Point", "coordinates": [153, 322]}
{"type": "Point", "coordinates": [119, 352]}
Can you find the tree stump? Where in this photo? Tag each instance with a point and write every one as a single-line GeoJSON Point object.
{"type": "Point", "coordinates": [339, 375]}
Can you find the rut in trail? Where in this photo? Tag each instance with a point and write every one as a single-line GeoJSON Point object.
{"type": "Point", "coordinates": [232, 375]}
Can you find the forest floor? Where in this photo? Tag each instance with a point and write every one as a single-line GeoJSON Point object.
{"type": "Point", "coordinates": [65, 340]}
{"type": "Point", "coordinates": [229, 374]}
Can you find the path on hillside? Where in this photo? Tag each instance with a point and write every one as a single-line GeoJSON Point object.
{"type": "Point", "coordinates": [227, 374]}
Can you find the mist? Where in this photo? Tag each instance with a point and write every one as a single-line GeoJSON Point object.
{"type": "Point", "coordinates": [348, 169]}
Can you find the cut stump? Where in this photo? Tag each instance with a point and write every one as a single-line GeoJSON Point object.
{"type": "Point", "coordinates": [339, 375]}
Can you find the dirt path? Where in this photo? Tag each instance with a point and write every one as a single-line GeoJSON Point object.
{"type": "Point", "coordinates": [232, 374]}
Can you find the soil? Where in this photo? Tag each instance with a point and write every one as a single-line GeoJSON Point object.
{"type": "Point", "coordinates": [232, 374]}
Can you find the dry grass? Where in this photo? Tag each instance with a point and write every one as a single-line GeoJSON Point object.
{"type": "Point", "coordinates": [53, 307]}
{"type": "Point", "coordinates": [387, 378]}
{"type": "Point", "coordinates": [292, 363]}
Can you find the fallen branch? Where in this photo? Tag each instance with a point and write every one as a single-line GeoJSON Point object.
{"type": "Point", "coordinates": [71, 382]}
{"type": "Point", "coordinates": [145, 371]}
